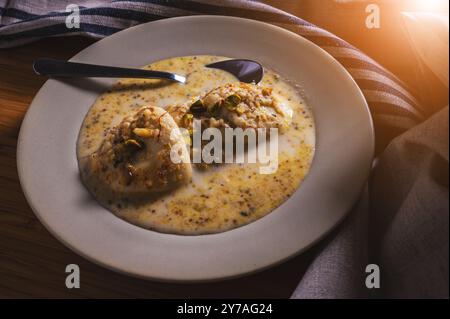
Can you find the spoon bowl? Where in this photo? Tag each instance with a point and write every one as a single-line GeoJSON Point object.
{"type": "Point", "coordinates": [245, 70]}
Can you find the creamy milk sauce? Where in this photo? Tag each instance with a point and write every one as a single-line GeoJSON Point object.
{"type": "Point", "coordinates": [217, 199]}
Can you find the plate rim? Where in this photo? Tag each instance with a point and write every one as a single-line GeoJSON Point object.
{"type": "Point", "coordinates": [24, 129]}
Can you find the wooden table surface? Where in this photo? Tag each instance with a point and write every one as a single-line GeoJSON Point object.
{"type": "Point", "coordinates": [32, 262]}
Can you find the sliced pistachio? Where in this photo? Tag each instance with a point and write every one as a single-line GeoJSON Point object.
{"type": "Point", "coordinates": [230, 106]}
{"type": "Point", "coordinates": [197, 107]}
{"type": "Point", "coordinates": [145, 132]}
{"type": "Point", "coordinates": [188, 117]}
{"type": "Point", "coordinates": [187, 120]}
{"type": "Point", "coordinates": [212, 109]}
{"type": "Point", "coordinates": [133, 144]}
{"type": "Point", "coordinates": [240, 110]}
{"type": "Point", "coordinates": [234, 99]}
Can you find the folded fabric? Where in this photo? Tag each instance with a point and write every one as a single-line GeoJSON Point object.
{"type": "Point", "coordinates": [409, 204]}
{"type": "Point", "coordinates": [406, 232]}
{"type": "Point", "coordinates": [393, 107]}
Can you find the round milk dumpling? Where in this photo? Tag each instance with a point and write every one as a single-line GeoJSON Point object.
{"type": "Point", "coordinates": [134, 159]}
{"type": "Point", "coordinates": [239, 105]}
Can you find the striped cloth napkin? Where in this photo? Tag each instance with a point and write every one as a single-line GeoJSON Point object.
{"type": "Point", "coordinates": [394, 108]}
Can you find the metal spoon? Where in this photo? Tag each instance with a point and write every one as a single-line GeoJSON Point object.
{"type": "Point", "coordinates": [245, 70]}
{"type": "Point", "coordinates": [59, 68]}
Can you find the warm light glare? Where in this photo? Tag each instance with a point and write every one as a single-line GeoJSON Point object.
{"type": "Point", "coordinates": [431, 5]}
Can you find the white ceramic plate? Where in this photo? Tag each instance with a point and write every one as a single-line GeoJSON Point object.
{"type": "Point", "coordinates": [49, 174]}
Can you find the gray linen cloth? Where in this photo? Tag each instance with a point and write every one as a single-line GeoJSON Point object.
{"type": "Point", "coordinates": [402, 227]}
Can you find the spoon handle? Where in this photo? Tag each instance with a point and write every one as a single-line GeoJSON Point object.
{"type": "Point", "coordinates": [59, 68]}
